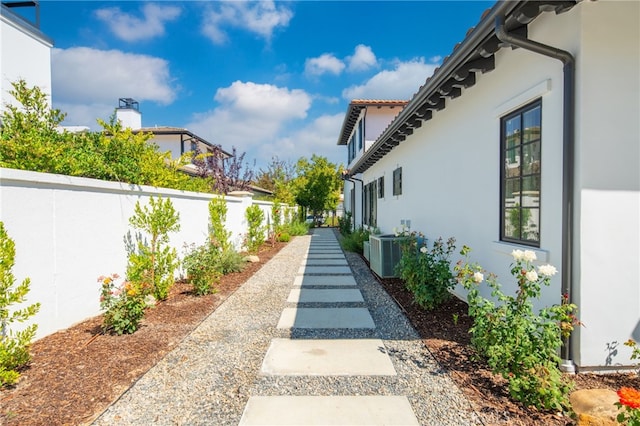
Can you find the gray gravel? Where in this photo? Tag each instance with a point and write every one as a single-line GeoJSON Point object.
{"type": "Point", "coordinates": [209, 377]}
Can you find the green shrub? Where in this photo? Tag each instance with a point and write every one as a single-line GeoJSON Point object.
{"type": "Point", "coordinates": [517, 342]}
{"type": "Point", "coordinates": [218, 234]}
{"type": "Point", "coordinates": [255, 232]}
{"type": "Point", "coordinates": [14, 345]}
{"type": "Point", "coordinates": [201, 263]}
{"type": "Point", "coordinates": [153, 264]}
{"type": "Point", "coordinates": [354, 241]}
{"type": "Point", "coordinates": [30, 141]}
{"type": "Point", "coordinates": [427, 273]}
{"type": "Point", "coordinates": [344, 224]}
{"type": "Point", "coordinates": [296, 228]}
{"type": "Point", "coordinates": [124, 305]}
{"type": "Point", "coordinates": [284, 237]}
{"type": "Point", "coordinates": [230, 261]}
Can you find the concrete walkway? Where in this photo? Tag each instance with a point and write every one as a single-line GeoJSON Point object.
{"type": "Point", "coordinates": [325, 279]}
{"type": "Point", "coordinates": [311, 338]}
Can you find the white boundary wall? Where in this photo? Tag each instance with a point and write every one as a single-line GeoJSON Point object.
{"type": "Point", "coordinates": [68, 231]}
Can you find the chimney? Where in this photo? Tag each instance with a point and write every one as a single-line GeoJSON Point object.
{"type": "Point", "coordinates": [128, 113]}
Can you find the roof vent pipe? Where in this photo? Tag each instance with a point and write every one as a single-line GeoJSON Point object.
{"type": "Point", "coordinates": [568, 143]}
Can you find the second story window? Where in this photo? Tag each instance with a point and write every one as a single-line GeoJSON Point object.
{"type": "Point", "coordinates": [397, 181]}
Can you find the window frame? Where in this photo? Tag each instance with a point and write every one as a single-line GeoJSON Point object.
{"type": "Point", "coordinates": [397, 181]}
{"type": "Point", "coordinates": [381, 187]}
{"type": "Point", "coordinates": [512, 152]}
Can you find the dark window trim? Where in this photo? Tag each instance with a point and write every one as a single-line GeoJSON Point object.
{"type": "Point", "coordinates": [397, 181]}
{"type": "Point", "coordinates": [381, 187]}
{"type": "Point", "coordinates": [503, 151]}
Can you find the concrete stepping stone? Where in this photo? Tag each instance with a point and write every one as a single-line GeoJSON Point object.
{"type": "Point", "coordinates": [325, 262]}
{"type": "Point", "coordinates": [324, 256]}
{"type": "Point", "coordinates": [325, 251]}
{"type": "Point", "coordinates": [315, 295]}
{"type": "Point", "coordinates": [326, 318]}
{"type": "Point", "coordinates": [305, 270]}
{"type": "Point", "coordinates": [331, 357]}
{"type": "Point", "coordinates": [329, 411]}
{"type": "Point", "coordinates": [324, 280]}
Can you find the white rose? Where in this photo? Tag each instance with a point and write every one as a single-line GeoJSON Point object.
{"type": "Point", "coordinates": [547, 270]}
{"type": "Point", "coordinates": [532, 276]}
{"type": "Point", "coordinates": [517, 254]}
{"type": "Point", "coordinates": [423, 249]}
{"type": "Point", "coordinates": [529, 255]}
{"type": "Point", "coordinates": [478, 277]}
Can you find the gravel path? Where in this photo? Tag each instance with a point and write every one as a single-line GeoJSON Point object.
{"type": "Point", "coordinates": [209, 377]}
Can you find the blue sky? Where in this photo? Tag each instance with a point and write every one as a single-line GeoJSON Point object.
{"type": "Point", "coordinates": [270, 78]}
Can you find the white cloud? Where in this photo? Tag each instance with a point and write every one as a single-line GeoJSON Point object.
{"type": "Point", "coordinates": [363, 58]}
{"type": "Point", "coordinates": [131, 28]}
{"type": "Point", "coordinates": [250, 115]}
{"type": "Point", "coordinates": [86, 79]}
{"type": "Point", "coordinates": [259, 17]}
{"type": "Point", "coordinates": [323, 64]}
{"type": "Point", "coordinates": [318, 137]}
{"type": "Point", "coordinates": [399, 83]}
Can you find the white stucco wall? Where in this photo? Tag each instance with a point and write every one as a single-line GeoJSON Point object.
{"type": "Point", "coordinates": [451, 168]}
{"type": "Point", "coordinates": [24, 54]}
{"type": "Point", "coordinates": [68, 231]}
{"type": "Point", "coordinates": [608, 181]}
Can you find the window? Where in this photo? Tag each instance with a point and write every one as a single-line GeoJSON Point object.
{"type": "Point", "coordinates": [520, 175]}
{"type": "Point", "coordinates": [371, 203]}
{"type": "Point", "coordinates": [381, 187]}
{"type": "Point", "coordinates": [397, 181]}
{"type": "Point", "coordinates": [360, 133]}
{"type": "Point", "coordinates": [351, 147]}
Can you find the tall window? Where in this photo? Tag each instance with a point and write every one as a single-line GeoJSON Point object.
{"type": "Point", "coordinates": [360, 133]}
{"type": "Point", "coordinates": [397, 181]}
{"type": "Point", "coordinates": [371, 203]}
{"type": "Point", "coordinates": [381, 187]}
{"type": "Point", "coordinates": [520, 176]}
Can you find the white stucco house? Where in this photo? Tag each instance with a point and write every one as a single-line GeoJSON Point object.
{"type": "Point", "coordinates": [175, 140]}
{"type": "Point", "coordinates": [527, 137]}
{"type": "Point", "coordinates": [25, 51]}
{"type": "Point", "coordinates": [364, 122]}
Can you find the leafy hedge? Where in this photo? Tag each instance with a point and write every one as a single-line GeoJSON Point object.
{"type": "Point", "coordinates": [32, 140]}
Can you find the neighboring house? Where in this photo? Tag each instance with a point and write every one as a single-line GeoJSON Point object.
{"type": "Point", "coordinates": [364, 122]}
{"type": "Point", "coordinates": [176, 140]}
{"type": "Point", "coordinates": [527, 137]}
{"type": "Point", "coordinates": [25, 52]}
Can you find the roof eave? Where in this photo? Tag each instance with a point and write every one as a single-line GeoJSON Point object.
{"type": "Point", "coordinates": [430, 96]}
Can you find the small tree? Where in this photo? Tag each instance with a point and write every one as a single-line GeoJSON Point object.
{"type": "Point", "coordinates": [226, 174]}
{"type": "Point", "coordinates": [317, 186]}
{"type": "Point", "coordinates": [153, 264]}
{"type": "Point", "coordinates": [255, 233]}
{"type": "Point", "coordinates": [218, 235]}
{"type": "Point", "coordinates": [14, 346]}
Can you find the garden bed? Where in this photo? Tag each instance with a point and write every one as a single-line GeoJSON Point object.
{"type": "Point", "coordinates": [75, 374]}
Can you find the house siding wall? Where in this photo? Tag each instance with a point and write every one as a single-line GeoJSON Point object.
{"type": "Point", "coordinates": [23, 55]}
{"type": "Point", "coordinates": [608, 182]}
{"type": "Point", "coordinates": [68, 231]}
{"type": "Point", "coordinates": [451, 169]}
